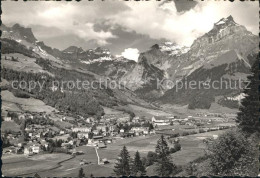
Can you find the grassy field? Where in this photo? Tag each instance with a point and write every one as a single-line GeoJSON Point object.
{"type": "Point", "coordinates": [141, 111]}
{"type": "Point", "coordinates": [23, 63]}
{"type": "Point", "coordinates": [192, 147]}
{"type": "Point", "coordinates": [20, 165]}
{"type": "Point", "coordinates": [184, 111]}
{"type": "Point", "coordinates": [9, 125]}
{"type": "Point", "coordinates": [12, 103]}
{"type": "Point", "coordinates": [49, 164]}
{"type": "Point", "coordinates": [71, 168]}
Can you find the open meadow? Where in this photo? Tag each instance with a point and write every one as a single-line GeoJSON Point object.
{"type": "Point", "coordinates": [12, 103]}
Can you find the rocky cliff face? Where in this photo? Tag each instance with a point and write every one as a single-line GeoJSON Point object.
{"type": "Point", "coordinates": [18, 33]}
{"type": "Point", "coordinates": [227, 51]}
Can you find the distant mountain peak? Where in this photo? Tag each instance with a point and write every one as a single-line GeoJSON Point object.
{"type": "Point", "coordinates": [73, 49]}
{"type": "Point", "coordinates": [25, 33]}
{"type": "Point", "coordinates": [226, 21]}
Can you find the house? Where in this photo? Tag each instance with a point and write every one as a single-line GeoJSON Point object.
{"type": "Point", "coordinates": [140, 130]}
{"type": "Point", "coordinates": [215, 137]}
{"type": "Point", "coordinates": [30, 116]}
{"type": "Point", "coordinates": [160, 120]}
{"type": "Point", "coordinates": [146, 132]}
{"type": "Point", "coordinates": [8, 119]}
{"type": "Point", "coordinates": [136, 119]}
{"type": "Point", "coordinates": [36, 149]}
{"type": "Point", "coordinates": [152, 131]}
{"type": "Point", "coordinates": [113, 133]}
{"type": "Point", "coordinates": [96, 132]}
{"type": "Point", "coordinates": [62, 137]}
{"type": "Point", "coordinates": [102, 127]}
{"type": "Point", "coordinates": [122, 130]}
{"type": "Point", "coordinates": [81, 129]}
{"type": "Point", "coordinates": [28, 151]}
{"type": "Point", "coordinates": [90, 119]}
{"type": "Point", "coordinates": [82, 135]}
{"type": "Point", "coordinates": [123, 118]}
{"type": "Point", "coordinates": [98, 137]}
{"type": "Point", "coordinates": [112, 128]}
{"type": "Point", "coordinates": [102, 120]}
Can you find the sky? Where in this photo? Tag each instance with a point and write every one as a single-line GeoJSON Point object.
{"type": "Point", "coordinates": [127, 28]}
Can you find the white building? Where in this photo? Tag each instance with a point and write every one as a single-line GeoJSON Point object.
{"type": "Point", "coordinates": [7, 119]}
{"type": "Point", "coordinates": [36, 149]}
{"type": "Point", "coordinates": [81, 129]}
{"type": "Point", "coordinates": [159, 120]}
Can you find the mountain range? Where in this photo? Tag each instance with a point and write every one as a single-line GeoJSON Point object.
{"type": "Point", "coordinates": [226, 52]}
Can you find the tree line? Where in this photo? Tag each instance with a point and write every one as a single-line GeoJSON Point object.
{"type": "Point", "coordinates": [161, 159]}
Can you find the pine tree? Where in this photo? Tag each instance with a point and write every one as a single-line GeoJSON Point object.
{"type": "Point", "coordinates": [164, 166]}
{"type": "Point", "coordinates": [138, 168]}
{"type": "Point", "coordinates": [248, 117]}
{"type": "Point", "coordinates": [162, 148]}
{"type": "Point", "coordinates": [81, 173]}
{"type": "Point", "coordinates": [122, 167]}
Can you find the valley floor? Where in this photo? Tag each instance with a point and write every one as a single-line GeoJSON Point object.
{"type": "Point", "coordinates": [64, 165]}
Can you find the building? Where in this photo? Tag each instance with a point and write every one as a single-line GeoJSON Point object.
{"type": "Point", "coordinates": [28, 151]}
{"type": "Point", "coordinates": [123, 119]}
{"type": "Point", "coordinates": [90, 119]}
{"type": "Point", "coordinates": [102, 127]}
{"type": "Point", "coordinates": [7, 119]}
{"type": "Point", "coordinates": [98, 137]}
{"type": "Point", "coordinates": [96, 132]}
{"type": "Point", "coordinates": [82, 135]}
{"type": "Point", "coordinates": [81, 129]}
{"type": "Point", "coordinates": [136, 119]}
{"type": "Point", "coordinates": [160, 120]}
{"type": "Point", "coordinates": [36, 149]}
{"type": "Point", "coordinates": [140, 130]}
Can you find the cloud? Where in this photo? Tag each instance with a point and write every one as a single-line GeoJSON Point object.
{"type": "Point", "coordinates": [71, 18]}
{"type": "Point", "coordinates": [164, 21]}
{"type": "Point", "coordinates": [131, 53]}
{"type": "Point", "coordinates": [180, 22]}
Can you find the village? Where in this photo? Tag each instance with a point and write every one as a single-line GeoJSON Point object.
{"type": "Point", "coordinates": [56, 133]}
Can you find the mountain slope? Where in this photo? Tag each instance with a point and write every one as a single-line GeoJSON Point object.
{"type": "Point", "coordinates": [225, 52]}
{"type": "Point", "coordinates": [61, 66]}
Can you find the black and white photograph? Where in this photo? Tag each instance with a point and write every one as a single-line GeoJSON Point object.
{"type": "Point", "coordinates": [116, 88]}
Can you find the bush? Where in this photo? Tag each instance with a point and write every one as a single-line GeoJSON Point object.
{"type": "Point", "coordinates": [233, 154]}
{"type": "Point", "coordinates": [177, 147]}
{"type": "Point", "coordinates": [5, 87]}
{"type": "Point", "coordinates": [151, 158]}
{"type": "Point", "coordinates": [20, 94]}
{"type": "Point", "coordinates": [185, 133]}
{"type": "Point", "coordinates": [175, 135]}
{"type": "Point", "coordinates": [202, 131]}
